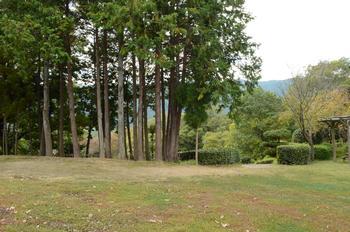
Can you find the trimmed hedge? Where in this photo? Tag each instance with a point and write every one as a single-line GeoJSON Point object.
{"type": "Point", "coordinates": [293, 154]}
{"type": "Point", "coordinates": [323, 152]}
{"type": "Point", "coordinates": [219, 156]}
{"type": "Point", "coordinates": [186, 155]}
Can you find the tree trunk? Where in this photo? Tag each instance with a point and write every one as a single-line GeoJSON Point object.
{"type": "Point", "coordinates": [61, 117]}
{"type": "Point", "coordinates": [46, 117]}
{"type": "Point", "coordinates": [158, 121]}
{"type": "Point", "coordinates": [145, 129]}
{"type": "Point", "coordinates": [107, 130]}
{"type": "Point", "coordinates": [121, 134]}
{"type": "Point", "coordinates": [312, 148]}
{"type": "Point", "coordinates": [16, 138]}
{"type": "Point", "coordinates": [134, 110]}
{"type": "Point", "coordinates": [125, 144]}
{"type": "Point", "coordinates": [334, 145]}
{"type": "Point", "coordinates": [197, 132]}
{"type": "Point", "coordinates": [73, 124]}
{"type": "Point", "coordinates": [174, 115]}
{"type": "Point", "coordinates": [163, 116]}
{"type": "Point", "coordinates": [4, 136]}
{"type": "Point", "coordinates": [348, 122]}
{"type": "Point", "coordinates": [128, 129]}
{"type": "Point", "coordinates": [39, 96]}
{"type": "Point", "coordinates": [42, 141]}
{"type": "Point", "coordinates": [140, 153]}
{"type": "Point", "coordinates": [89, 137]}
{"type": "Point", "coordinates": [98, 98]}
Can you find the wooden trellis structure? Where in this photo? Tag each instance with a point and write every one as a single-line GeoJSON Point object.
{"type": "Point", "coordinates": [333, 123]}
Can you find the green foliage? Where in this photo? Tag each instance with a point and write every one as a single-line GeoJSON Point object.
{"type": "Point", "coordinates": [293, 154]}
{"type": "Point", "coordinates": [218, 157]}
{"type": "Point", "coordinates": [270, 151]}
{"type": "Point", "coordinates": [298, 136]}
{"type": "Point", "coordinates": [323, 152]}
{"type": "Point", "coordinates": [257, 114]}
{"type": "Point", "coordinates": [246, 160]}
{"type": "Point", "coordinates": [266, 160]}
{"type": "Point", "coordinates": [186, 155]}
{"type": "Point", "coordinates": [277, 135]}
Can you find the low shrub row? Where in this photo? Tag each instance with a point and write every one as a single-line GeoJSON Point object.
{"type": "Point", "coordinates": [212, 157]}
{"type": "Point", "coordinates": [218, 157]}
{"type": "Point", "coordinates": [293, 154]}
{"type": "Point", "coordinates": [323, 152]}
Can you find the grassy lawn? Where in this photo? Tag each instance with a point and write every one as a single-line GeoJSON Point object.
{"type": "Point", "coordinates": [43, 194]}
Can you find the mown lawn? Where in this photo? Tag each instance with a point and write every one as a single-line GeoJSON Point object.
{"type": "Point", "coordinates": [53, 194]}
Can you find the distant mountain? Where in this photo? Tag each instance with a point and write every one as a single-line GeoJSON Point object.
{"type": "Point", "coordinates": [275, 86]}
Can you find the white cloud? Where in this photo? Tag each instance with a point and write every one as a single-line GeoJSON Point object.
{"type": "Point", "coordinates": [296, 33]}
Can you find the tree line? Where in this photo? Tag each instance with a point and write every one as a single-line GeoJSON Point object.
{"type": "Point", "coordinates": [72, 67]}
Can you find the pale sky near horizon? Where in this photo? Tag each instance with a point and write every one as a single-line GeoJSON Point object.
{"type": "Point", "coordinates": [295, 33]}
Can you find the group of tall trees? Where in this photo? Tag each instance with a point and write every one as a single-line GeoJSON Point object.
{"type": "Point", "coordinates": [71, 67]}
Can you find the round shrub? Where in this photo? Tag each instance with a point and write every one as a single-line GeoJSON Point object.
{"type": "Point", "coordinates": [218, 156]}
{"type": "Point", "coordinates": [277, 135]}
{"type": "Point", "coordinates": [298, 136]}
{"type": "Point", "coordinates": [246, 160]}
{"type": "Point", "coordinates": [293, 154]}
{"type": "Point", "coordinates": [323, 152]}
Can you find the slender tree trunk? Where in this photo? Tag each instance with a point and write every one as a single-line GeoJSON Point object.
{"type": "Point", "coordinates": [312, 148]}
{"type": "Point", "coordinates": [46, 119]}
{"type": "Point", "coordinates": [16, 138]}
{"type": "Point", "coordinates": [197, 132]}
{"type": "Point", "coordinates": [348, 122]}
{"type": "Point", "coordinates": [163, 116]}
{"type": "Point", "coordinates": [98, 98]}
{"type": "Point", "coordinates": [158, 121]}
{"type": "Point", "coordinates": [39, 96]}
{"type": "Point", "coordinates": [134, 110]}
{"type": "Point", "coordinates": [128, 129]}
{"type": "Point", "coordinates": [145, 129]}
{"type": "Point", "coordinates": [42, 142]}
{"type": "Point", "coordinates": [89, 137]}
{"type": "Point", "coordinates": [107, 130]}
{"type": "Point", "coordinates": [334, 145]}
{"type": "Point", "coordinates": [61, 117]}
{"type": "Point", "coordinates": [121, 134]}
{"type": "Point", "coordinates": [140, 153]}
{"type": "Point", "coordinates": [73, 124]}
{"type": "Point", "coordinates": [125, 144]}
{"type": "Point", "coordinates": [4, 135]}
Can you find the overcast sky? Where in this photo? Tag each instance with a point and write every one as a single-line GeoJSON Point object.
{"type": "Point", "coordinates": [295, 33]}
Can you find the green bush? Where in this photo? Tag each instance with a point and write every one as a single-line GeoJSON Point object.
{"type": "Point", "coordinates": [323, 152]}
{"type": "Point", "coordinates": [277, 135]}
{"type": "Point", "coordinates": [293, 154]}
{"type": "Point", "coordinates": [298, 136]}
{"type": "Point", "coordinates": [246, 160]}
{"type": "Point", "coordinates": [219, 156]}
{"type": "Point", "coordinates": [186, 155]}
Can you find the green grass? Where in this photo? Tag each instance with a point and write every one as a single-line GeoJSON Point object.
{"type": "Point", "coordinates": [108, 195]}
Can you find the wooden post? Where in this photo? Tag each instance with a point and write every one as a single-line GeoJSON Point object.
{"type": "Point", "coordinates": [334, 145]}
